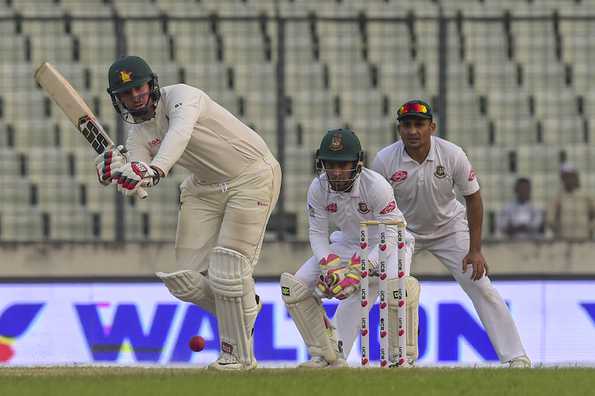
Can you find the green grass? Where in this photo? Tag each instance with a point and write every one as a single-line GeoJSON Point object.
{"type": "Point", "coordinates": [115, 381]}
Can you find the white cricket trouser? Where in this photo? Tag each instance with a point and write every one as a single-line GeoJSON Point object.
{"type": "Point", "coordinates": [488, 303]}
{"type": "Point", "coordinates": [347, 317]}
{"type": "Point", "coordinates": [233, 215]}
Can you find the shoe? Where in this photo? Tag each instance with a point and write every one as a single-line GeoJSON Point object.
{"type": "Point", "coordinates": [520, 362]}
{"type": "Point", "coordinates": [320, 362]}
{"type": "Point", "coordinates": [228, 362]}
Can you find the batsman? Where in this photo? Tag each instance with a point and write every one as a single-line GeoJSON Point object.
{"type": "Point", "coordinates": [225, 203]}
{"type": "Point", "coordinates": [343, 194]}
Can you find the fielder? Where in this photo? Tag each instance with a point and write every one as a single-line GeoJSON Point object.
{"type": "Point", "coordinates": [344, 194]}
{"type": "Point", "coordinates": [224, 205]}
{"type": "Point", "coordinates": [423, 170]}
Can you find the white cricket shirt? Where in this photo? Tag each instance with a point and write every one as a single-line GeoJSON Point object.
{"type": "Point", "coordinates": [371, 198]}
{"type": "Point", "coordinates": [193, 131]}
{"type": "Point", "coordinates": [425, 192]}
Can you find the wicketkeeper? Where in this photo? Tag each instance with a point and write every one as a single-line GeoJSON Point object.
{"type": "Point", "coordinates": [224, 205]}
{"type": "Point", "coordinates": [343, 194]}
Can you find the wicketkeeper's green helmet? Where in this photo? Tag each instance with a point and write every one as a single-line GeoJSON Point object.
{"type": "Point", "coordinates": [340, 145]}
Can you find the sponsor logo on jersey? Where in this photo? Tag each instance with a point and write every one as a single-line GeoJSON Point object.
{"type": "Point", "coordinates": [332, 207]}
{"type": "Point", "coordinates": [125, 76]}
{"type": "Point", "coordinates": [471, 175]}
{"type": "Point", "coordinates": [399, 176]}
{"type": "Point", "coordinates": [440, 173]}
{"type": "Point", "coordinates": [155, 142]}
{"type": "Point", "coordinates": [362, 207]}
{"type": "Point", "coordinates": [177, 105]}
{"type": "Point", "coordinates": [336, 142]}
{"type": "Point", "coordinates": [138, 168]}
{"type": "Point", "coordinates": [392, 205]}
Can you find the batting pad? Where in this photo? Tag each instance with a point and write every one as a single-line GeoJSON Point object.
{"type": "Point", "coordinates": [309, 318]}
{"type": "Point", "coordinates": [230, 276]}
{"type": "Point", "coordinates": [412, 290]}
{"type": "Point", "coordinates": [189, 286]}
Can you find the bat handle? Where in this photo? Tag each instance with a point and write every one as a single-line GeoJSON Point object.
{"type": "Point", "coordinates": [141, 193]}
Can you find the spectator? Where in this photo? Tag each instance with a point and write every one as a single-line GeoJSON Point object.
{"type": "Point", "coordinates": [571, 214]}
{"type": "Point", "coordinates": [519, 219]}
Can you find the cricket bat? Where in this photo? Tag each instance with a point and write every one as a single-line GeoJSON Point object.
{"type": "Point", "coordinates": [75, 108]}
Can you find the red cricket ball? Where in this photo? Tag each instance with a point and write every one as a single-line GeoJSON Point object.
{"type": "Point", "coordinates": [197, 343]}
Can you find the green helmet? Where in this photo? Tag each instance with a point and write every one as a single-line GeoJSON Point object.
{"type": "Point", "coordinates": [132, 72]}
{"type": "Point", "coordinates": [127, 73]}
{"type": "Point", "coordinates": [340, 145]}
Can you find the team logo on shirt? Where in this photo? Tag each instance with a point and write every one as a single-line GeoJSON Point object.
{"type": "Point", "coordinates": [399, 176]}
{"type": "Point", "coordinates": [311, 211]}
{"type": "Point", "coordinates": [440, 173]}
{"type": "Point", "coordinates": [392, 205]}
{"type": "Point", "coordinates": [471, 175]}
{"type": "Point", "coordinates": [336, 142]}
{"type": "Point", "coordinates": [362, 207]}
{"type": "Point", "coordinates": [332, 207]}
{"type": "Point", "coordinates": [155, 142]}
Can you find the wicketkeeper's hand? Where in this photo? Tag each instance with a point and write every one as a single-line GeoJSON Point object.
{"type": "Point", "coordinates": [133, 175]}
{"type": "Point", "coordinates": [340, 280]}
{"type": "Point", "coordinates": [108, 162]}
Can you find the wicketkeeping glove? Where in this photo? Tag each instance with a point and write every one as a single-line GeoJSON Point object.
{"type": "Point", "coordinates": [339, 280]}
{"type": "Point", "coordinates": [108, 162]}
{"type": "Point", "coordinates": [332, 261]}
{"type": "Point", "coordinates": [133, 175]}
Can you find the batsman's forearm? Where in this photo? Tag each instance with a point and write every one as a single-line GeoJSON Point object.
{"type": "Point", "coordinates": [475, 219]}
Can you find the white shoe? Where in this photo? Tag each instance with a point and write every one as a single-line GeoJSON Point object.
{"type": "Point", "coordinates": [228, 362]}
{"type": "Point", "coordinates": [520, 362]}
{"type": "Point", "coordinates": [320, 362]}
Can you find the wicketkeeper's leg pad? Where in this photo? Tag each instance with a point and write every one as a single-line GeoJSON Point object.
{"type": "Point", "coordinates": [230, 276]}
{"type": "Point", "coordinates": [190, 286]}
{"type": "Point", "coordinates": [310, 318]}
{"type": "Point", "coordinates": [412, 291]}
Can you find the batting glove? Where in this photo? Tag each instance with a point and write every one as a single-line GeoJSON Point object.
{"type": "Point", "coordinates": [108, 162]}
{"type": "Point", "coordinates": [133, 175]}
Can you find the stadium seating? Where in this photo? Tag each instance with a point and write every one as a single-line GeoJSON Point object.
{"type": "Point", "coordinates": [518, 92]}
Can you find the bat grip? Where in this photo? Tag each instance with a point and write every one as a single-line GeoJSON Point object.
{"type": "Point", "coordinates": [140, 192]}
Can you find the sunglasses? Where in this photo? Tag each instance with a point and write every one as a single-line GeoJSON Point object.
{"type": "Point", "coordinates": [417, 108]}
